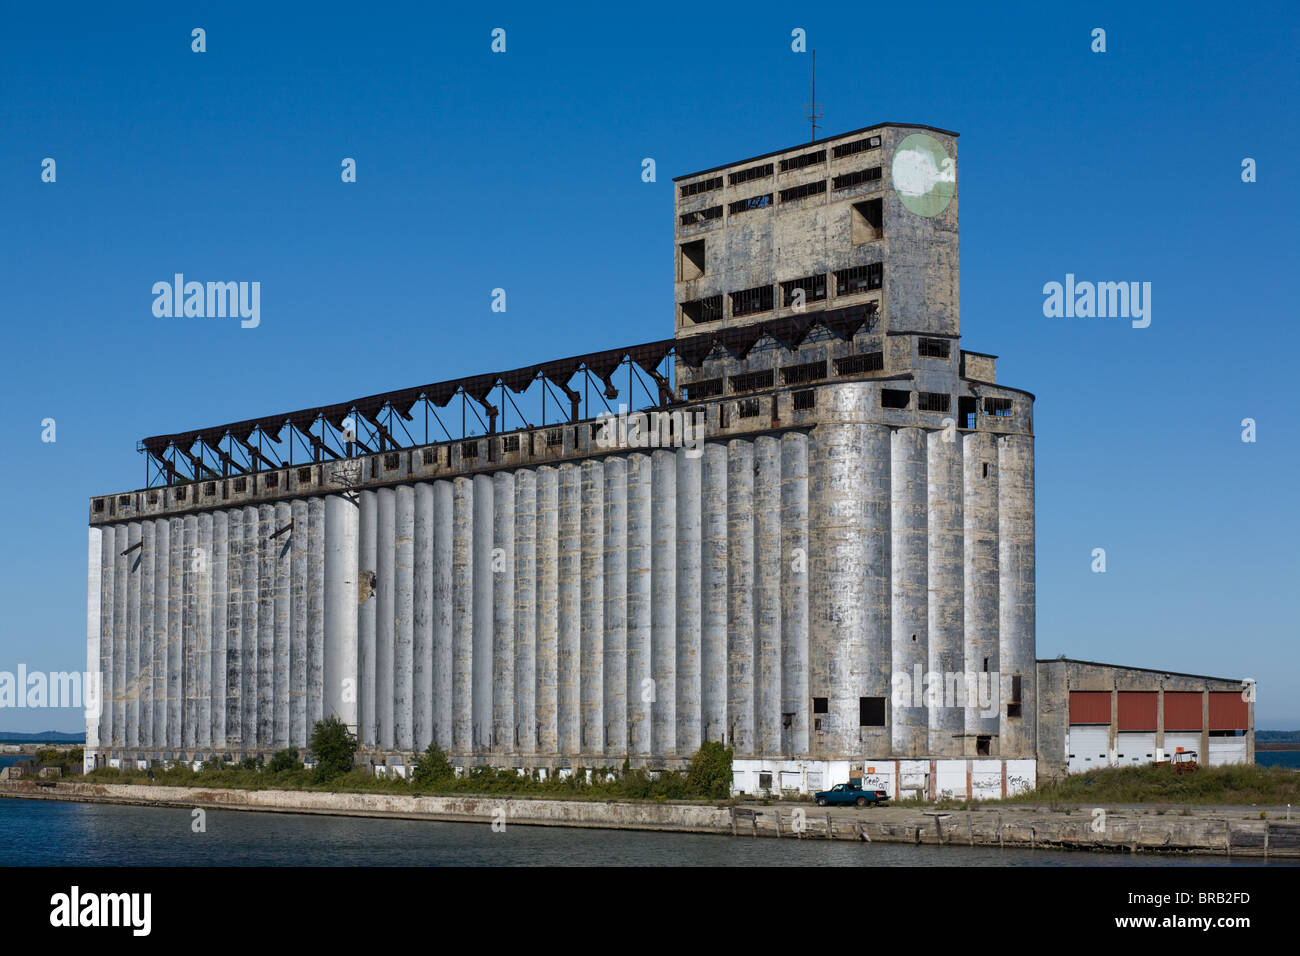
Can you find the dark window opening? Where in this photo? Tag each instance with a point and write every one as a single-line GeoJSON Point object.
{"type": "Point", "coordinates": [241, 485]}
{"type": "Point", "coordinates": [426, 456]}
{"type": "Point", "coordinates": [787, 721]}
{"type": "Point", "coordinates": [858, 364]}
{"type": "Point", "coordinates": [764, 781]}
{"type": "Point", "coordinates": [871, 711]}
{"type": "Point", "coordinates": [124, 501]}
{"type": "Point", "coordinates": [469, 450]}
{"type": "Point", "coordinates": [986, 665]}
{"type": "Point", "coordinates": [210, 488]}
{"type": "Point", "coordinates": [932, 348]}
{"type": "Point", "coordinates": [801, 162]}
{"type": "Point", "coordinates": [857, 177]}
{"type": "Point", "coordinates": [857, 146]}
{"type": "Point", "coordinates": [1013, 705]}
{"type": "Point", "coordinates": [701, 215]}
{"type": "Point", "coordinates": [750, 381]}
{"type": "Point", "coordinates": [894, 398]}
{"type": "Point", "coordinates": [750, 301]}
{"type": "Point", "coordinates": [820, 705]}
{"type": "Point", "coordinates": [814, 290]}
{"type": "Point", "coordinates": [804, 401]}
{"type": "Point", "coordinates": [707, 388]}
{"type": "Point", "coordinates": [986, 469]}
{"type": "Point", "coordinates": [180, 493]}
{"type": "Point", "coordinates": [510, 443]}
{"type": "Point", "coordinates": [966, 406]}
{"type": "Point", "coordinates": [555, 438]}
{"type": "Point", "coordinates": [304, 476]}
{"type": "Point", "coordinates": [753, 172]}
{"type": "Point", "coordinates": [808, 372]}
{"type": "Point", "coordinates": [701, 186]}
{"type": "Point", "coordinates": [859, 278]}
{"type": "Point", "coordinates": [750, 408]}
{"type": "Point", "coordinates": [691, 261]}
{"type": "Point", "coordinates": [99, 505]}
{"type": "Point", "coordinates": [998, 406]}
{"type": "Point", "coordinates": [392, 461]}
{"type": "Point", "coordinates": [868, 221]}
{"type": "Point", "coordinates": [152, 498]}
{"type": "Point", "coordinates": [982, 745]}
{"type": "Point", "coordinates": [271, 481]}
{"type": "Point", "coordinates": [753, 202]}
{"type": "Point", "coordinates": [933, 401]}
{"type": "Point", "coordinates": [704, 310]}
{"type": "Point", "coordinates": [807, 189]}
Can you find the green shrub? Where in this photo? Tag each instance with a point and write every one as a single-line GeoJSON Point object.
{"type": "Point", "coordinates": [334, 747]}
{"type": "Point", "coordinates": [709, 774]}
{"type": "Point", "coordinates": [283, 760]}
{"type": "Point", "coordinates": [432, 767]}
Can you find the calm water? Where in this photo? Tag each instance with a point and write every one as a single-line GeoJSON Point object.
{"type": "Point", "coordinates": [49, 833]}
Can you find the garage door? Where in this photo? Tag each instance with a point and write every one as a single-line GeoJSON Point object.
{"type": "Point", "coordinates": [1087, 747]}
{"type": "Point", "coordinates": [1227, 750]}
{"type": "Point", "coordinates": [1135, 749]}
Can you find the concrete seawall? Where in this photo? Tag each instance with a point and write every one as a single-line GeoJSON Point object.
{"type": "Point", "coordinates": [1221, 831]}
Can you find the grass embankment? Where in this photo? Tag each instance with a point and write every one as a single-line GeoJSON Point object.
{"type": "Point", "coordinates": [1234, 785]}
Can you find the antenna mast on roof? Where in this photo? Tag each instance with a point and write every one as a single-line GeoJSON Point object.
{"type": "Point", "coordinates": [814, 114]}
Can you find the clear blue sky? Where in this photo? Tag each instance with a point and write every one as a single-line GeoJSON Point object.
{"type": "Point", "coordinates": [522, 170]}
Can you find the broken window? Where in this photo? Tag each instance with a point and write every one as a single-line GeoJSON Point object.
{"type": "Point", "coordinates": [871, 711]}
{"type": "Point", "coordinates": [753, 172]}
{"type": "Point", "coordinates": [859, 278]}
{"type": "Point", "coordinates": [857, 177]}
{"type": "Point", "coordinates": [701, 186]}
{"type": "Point", "coordinates": [391, 462]}
{"type": "Point", "coordinates": [808, 372]}
{"type": "Point", "coordinates": [690, 263]}
{"type": "Point", "coordinates": [982, 745]}
{"type": "Point", "coordinates": [805, 401]}
{"type": "Point", "coordinates": [857, 146]}
{"type": "Point", "coordinates": [894, 398]}
{"type": "Point", "coordinates": [210, 488]}
{"type": "Point", "coordinates": [750, 408]}
{"type": "Point", "coordinates": [1013, 705]}
{"type": "Point", "coordinates": [707, 388]}
{"type": "Point", "coordinates": [998, 406]}
{"type": "Point", "coordinates": [304, 476]}
{"type": "Point", "coordinates": [764, 780]}
{"type": "Point", "coordinates": [807, 189]}
{"type": "Point", "coordinates": [469, 450]}
{"type": "Point", "coordinates": [152, 498]}
{"type": "Point", "coordinates": [820, 706]}
{"type": "Point", "coordinates": [932, 348]}
{"type": "Point", "coordinates": [180, 493]}
{"type": "Point", "coordinates": [787, 721]}
{"type": "Point", "coordinates": [867, 221]}
{"type": "Point", "coordinates": [858, 364]}
{"type": "Point", "coordinates": [99, 505]}
{"type": "Point", "coordinates": [708, 309]}
{"type": "Point", "coordinates": [800, 162]}
{"type": "Point", "coordinates": [933, 401]}
{"type": "Point", "coordinates": [271, 481]}
{"type": "Point", "coordinates": [814, 290]}
{"type": "Point", "coordinates": [124, 501]}
{"type": "Point", "coordinates": [751, 381]}
{"type": "Point", "coordinates": [749, 301]}
{"type": "Point", "coordinates": [241, 485]}
{"type": "Point", "coordinates": [701, 215]}
{"type": "Point", "coordinates": [753, 202]}
{"type": "Point", "coordinates": [510, 443]}
{"type": "Point", "coordinates": [966, 406]}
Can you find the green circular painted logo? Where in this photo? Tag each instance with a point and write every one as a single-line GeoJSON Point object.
{"type": "Point", "coordinates": [925, 177]}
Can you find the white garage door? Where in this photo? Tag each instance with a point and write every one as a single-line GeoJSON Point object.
{"type": "Point", "coordinates": [1227, 750]}
{"type": "Point", "coordinates": [1135, 749]}
{"type": "Point", "coordinates": [1087, 747]}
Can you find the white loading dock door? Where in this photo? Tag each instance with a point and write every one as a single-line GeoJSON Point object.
{"type": "Point", "coordinates": [914, 779]}
{"type": "Point", "coordinates": [1189, 742]}
{"type": "Point", "coordinates": [1227, 750]}
{"type": "Point", "coordinates": [1087, 746]}
{"type": "Point", "coordinates": [1134, 749]}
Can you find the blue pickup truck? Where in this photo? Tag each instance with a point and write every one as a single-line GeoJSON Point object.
{"type": "Point", "coordinates": [843, 794]}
